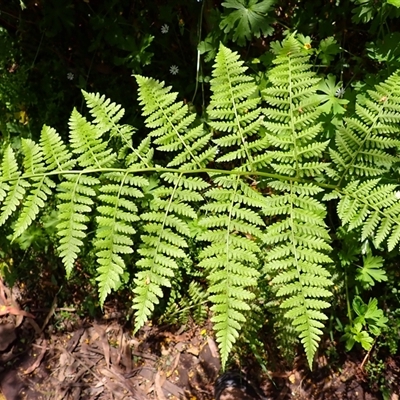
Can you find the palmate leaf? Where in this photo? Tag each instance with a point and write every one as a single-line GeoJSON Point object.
{"type": "Point", "coordinates": [249, 19]}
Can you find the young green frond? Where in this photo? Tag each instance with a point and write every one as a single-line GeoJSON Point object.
{"type": "Point", "coordinates": [298, 247]}
{"type": "Point", "coordinates": [173, 126]}
{"type": "Point", "coordinates": [39, 190]}
{"type": "Point", "coordinates": [234, 109]}
{"type": "Point", "coordinates": [12, 185]}
{"type": "Point", "coordinates": [292, 114]}
{"type": "Point", "coordinates": [366, 141]}
{"type": "Point", "coordinates": [117, 213]}
{"type": "Point", "coordinates": [233, 227]}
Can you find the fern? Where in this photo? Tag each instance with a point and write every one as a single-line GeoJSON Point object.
{"type": "Point", "coordinates": [234, 111]}
{"type": "Point", "coordinates": [366, 142]}
{"type": "Point", "coordinates": [164, 236]}
{"type": "Point", "coordinates": [13, 186]}
{"type": "Point", "coordinates": [239, 202]}
{"type": "Point", "coordinates": [299, 240]}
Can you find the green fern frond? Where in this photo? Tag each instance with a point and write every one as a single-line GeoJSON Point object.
{"type": "Point", "coordinates": [105, 113]}
{"type": "Point", "coordinates": [75, 195]}
{"type": "Point", "coordinates": [85, 139]}
{"type": "Point", "coordinates": [373, 206]}
{"type": "Point", "coordinates": [114, 231]}
{"type": "Point", "coordinates": [292, 116]}
{"type": "Point", "coordinates": [12, 186]}
{"type": "Point", "coordinates": [231, 260]}
{"type": "Point", "coordinates": [166, 228]}
{"type": "Point", "coordinates": [106, 119]}
{"type": "Point", "coordinates": [299, 243]}
{"type": "Point", "coordinates": [234, 110]}
{"type": "Point", "coordinates": [172, 125]}
{"type": "Point", "coordinates": [164, 243]}
{"type": "Point", "coordinates": [365, 142]}
{"type": "Point", "coordinates": [55, 152]}
{"type": "Point", "coordinates": [40, 189]}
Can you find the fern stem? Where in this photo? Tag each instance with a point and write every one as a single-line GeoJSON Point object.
{"type": "Point", "coordinates": [213, 171]}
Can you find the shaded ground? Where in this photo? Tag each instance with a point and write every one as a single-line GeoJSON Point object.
{"type": "Point", "coordinates": [48, 357]}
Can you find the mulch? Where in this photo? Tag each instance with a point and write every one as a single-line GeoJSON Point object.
{"type": "Point", "coordinates": [102, 359]}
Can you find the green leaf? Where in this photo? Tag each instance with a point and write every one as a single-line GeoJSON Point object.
{"type": "Point", "coordinates": [249, 19]}
{"type": "Point", "coordinates": [330, 100]}
{"type": "Point", "coordinates": [371, 271]}
{"type": "Point", "coordinates": [328, 48]}
{"type": "Point", "coordinates": [395, 3]}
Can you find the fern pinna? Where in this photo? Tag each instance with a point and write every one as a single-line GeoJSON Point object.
{"type": "Point", "coordinates": [166, 230]}
{"type": "Point", "coordinates": [298, 242]}
{"type": "Point", "coordinates": [231, 218]}
{"type": "Point", "coordinates": [366, 146]}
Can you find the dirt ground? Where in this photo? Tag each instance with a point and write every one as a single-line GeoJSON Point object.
{"type": "Point", "coordinates": [54, 354]}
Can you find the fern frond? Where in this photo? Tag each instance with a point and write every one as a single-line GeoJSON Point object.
{"type": "Point", "coordinates": [365, 142]}
{"type": "Point", "coordinates": [292, 116]}
{"type": "Point", "coordinates": [40, 189]}
{"type": "Point", "coordinates": [55, 152]}
{"type": "Point", "coordinates": [75, 195]}
{"type": "Point", "coordinates": [231, 260]}
{"type": "Point", "coordinates": [172, 125]}
{"type": "Point", "coordinates": [375, 207]}
{"type": "Point", "coordinates": [86, 140]}
{"type": "Point", "coordinates": [299, 243]}
{"type": "Point", "coordinates": [12, 186]}
{"type": "Point", "coordinates": [234, 110]}
{"type": "Point", "coordinates": [106, 119]}
{"type": "Point", "coordinates": [164, 243]}
{"type": "Point", "coordinates": [114, 231]}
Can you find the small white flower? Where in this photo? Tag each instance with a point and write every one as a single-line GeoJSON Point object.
{"type": "Point", "coordinates": [173, 69]}
{"type": "Point", "coordinates": [70, 76]}
{"type": "Point", "coordinates": [397, 194]}
{"type": "Point", "coordinates": [164, 28]}
{"type": "Point", "coordinates": [340, 92]}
